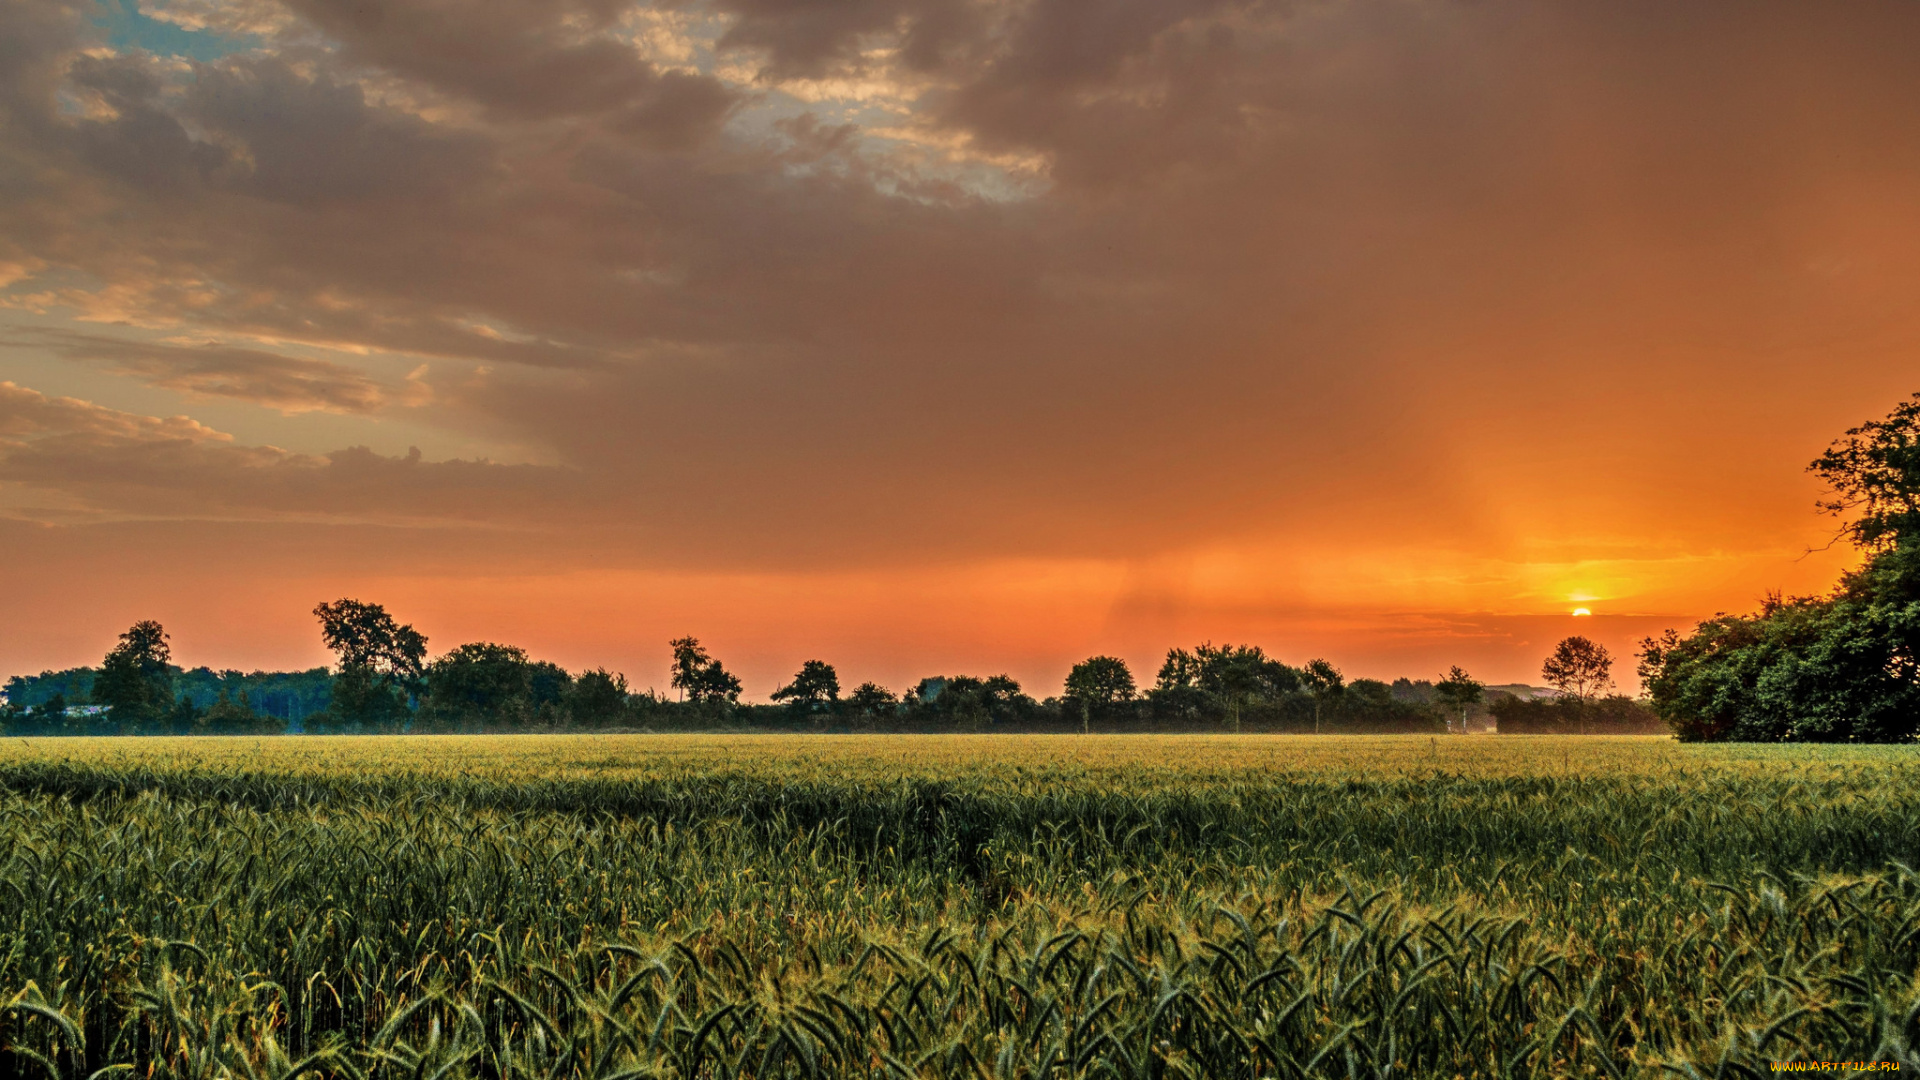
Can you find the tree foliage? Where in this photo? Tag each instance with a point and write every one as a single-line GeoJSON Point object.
{"type": "Point", "coordinates": [703, 679]}
{"type": "Point", "coordinates": [1324, 682]}
{"type": "Point", "coordinates": [871, 703]}
{"type": "Point", "coordinates": [598, 698]}
{"type": "Point", "coordinates": [1873, 473]}
{"type": "Point", "coordinates": [1613, 714]}
{"type": "Point", "coordinates": [136, 678]}
{"type": "Point", "coordinates": [1579, 667]}
{"type": "Point", "coordinates": [364, 635]}
{"type": "Point", "coordinates": [969, 703]}
{"type": "Point", "coordinates": [1099, 681]}
{"type": "Point", "coordinates": [815, 687]}
{"type": "Point", "coordinates": [480, 684]}
{"type": "Point", "coordinates": [1459, 692]}
{"type": "Point", "coordinates": [382, 665]}
{"type": "Point", "coordinates": [1834, 668]}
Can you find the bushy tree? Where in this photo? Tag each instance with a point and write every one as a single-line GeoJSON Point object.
{"type": "Point", "coordinates": [481, 684]}
{"type": "Point", "coordinates": [699, 676]}
{"type": "Point", "coordinates": [1835, 668]}
{"type": "Point", "coordinates": [1097, 685]}
{"type": "Point", "coordinates": [382, 665]}
{"type": "Point", "coordinates": [1176, 689]}
{"type": "Point", "coordinates": [815, 688]}
{"type": "Point", "coordinates": [969, 703]}
{"type": "Point", "coordinates": [234, 716]}
{"type": "Point", "coordinates": [1100, 680]}
{"type": "Point", "coordinates": [548, 687]}
{"type": "Point", "coordinates": [1220, 680]}
{"type": "Point", "coordinates": [1613, 714]}
{"type": "Point", "coordinates": [136, 678]}
{"type": "Point", "coordinates": [1827, 669]}
{"type": "Point", "coordinates": [1578, 667]}
{"type": "Point", "coordinates": [1873, 473]}
{"type": "Point", "coordinates": [873, 703]}
{"type": "Point", "coordinates": [598, 698]}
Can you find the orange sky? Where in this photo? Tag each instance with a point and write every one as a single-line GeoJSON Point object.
{"type": "Point", "coordinates": [931, 336]}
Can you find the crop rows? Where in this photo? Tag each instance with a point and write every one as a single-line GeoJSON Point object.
{"type": "Point", "coordinates": [677, 908]}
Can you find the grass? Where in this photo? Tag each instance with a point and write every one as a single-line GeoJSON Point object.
{"type": "Point", "coordinates": [905, 906]}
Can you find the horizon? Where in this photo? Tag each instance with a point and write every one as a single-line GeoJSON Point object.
{"type": "Point", "coordinates": [928, 337]}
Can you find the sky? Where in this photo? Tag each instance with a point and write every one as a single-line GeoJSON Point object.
{"type": "Point", "coordinates": [940, 336]}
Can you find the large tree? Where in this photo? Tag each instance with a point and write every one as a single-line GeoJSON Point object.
{"type": "Point", "coordinates": [382, 664]}
{"type": "Point", "coordinates": [1839, 667]}
{"type": "Point", "coordinates": [970, 703]}
{"type": "Point", "coordinates": [815, 687]}
{"type": "Point", "coordinates": [598, 698]}
{"type": "Point", "coordinates": [1220, 679]}
{"type": "Point", "coordinates": [1096, 685]}
{"type": "Point", "coordinates": [1873, 473]}
{"type": "Point", "coordinates": [1579, 668]}
{"type": "Point", "coordinates": [136, 678]}
{"type": "Point", "coordinates": [699, 676]}
{"type": "Point", "coordinates": [480, 684]}
{"type": "Point", "coordinates": [872, 703]}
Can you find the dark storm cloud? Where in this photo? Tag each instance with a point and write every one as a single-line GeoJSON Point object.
{"type": "Point", "coordinates": [1230, 262]}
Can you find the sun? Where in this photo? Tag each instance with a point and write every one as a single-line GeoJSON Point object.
{"type": "Point", "coordinates": [1581, 611]}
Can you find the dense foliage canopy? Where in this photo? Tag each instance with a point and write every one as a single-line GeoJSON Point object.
{"type": "Point", "coordinates": [1834, 668]}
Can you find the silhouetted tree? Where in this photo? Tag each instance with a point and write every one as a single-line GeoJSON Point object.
{"type": "Point", "coordinates": [478, 684]}
{"type": "Point", "coordinates": [547, 687]}
{"type": "Point", "coordinates": [873, 702]}
{"type": "Point", "coordinates": [234, 716]}
{"type": "Point", "coordinates": [1221, 679]}
{"type": "Point", "coordinates": [814, 688]}
{"type": "Point", "coordinates": [1325, 683]}
{"type": "Point", "coordinates": [1578, 667]}
{"type": "Point", "coordinates": [702, 678]}
{"type": "Point", "coordinates": [1237, 676]}
{"type": "Point", "coordinates": [1581, 669]}
{"type": "Point", "coordinates": [969, 703]}
{"type": "Point", "coordinates": [1176, 691]}
{"type": "Point", "coordinates": [1459, 691]}
{"type": "Point", "coordinates": [1874, 471]}
{"type": "Point", "coordinates": [381, 664]}
{"type": "Point", "coordinates": [1097, 684]}
{"type": "Point", "coordinates": [598, 698]}
{"type": "Point", "coordinates": [136, 678]}
{"type": "Point", "coordinates": [1845, 666]}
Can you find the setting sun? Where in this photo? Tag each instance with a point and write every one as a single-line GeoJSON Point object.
{"type": "Point", "coordinates": [1581, 611]}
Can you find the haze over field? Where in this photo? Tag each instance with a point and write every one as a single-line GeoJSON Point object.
{"type": "Point", "coordinates": [938, 335]}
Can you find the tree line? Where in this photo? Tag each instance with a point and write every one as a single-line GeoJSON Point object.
{"type": "Point", "coordinates": [1840, 667]}
{"type": "Point", "coordinates": [384, 681]}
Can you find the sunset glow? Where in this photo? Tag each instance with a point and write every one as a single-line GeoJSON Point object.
{"type": "Point", "coordinates": [928, 338]}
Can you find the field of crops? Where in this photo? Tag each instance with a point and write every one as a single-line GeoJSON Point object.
{"type": "Point", "coordinates": [954, 906]}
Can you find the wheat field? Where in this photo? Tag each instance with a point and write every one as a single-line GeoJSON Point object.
{"type": "Point", "coordinates": [954, 906]}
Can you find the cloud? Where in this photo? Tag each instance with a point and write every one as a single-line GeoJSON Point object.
{"type": "Point", "coordinates": [1113, 280]}
{"type": "Point", "coordinates": [286, 384]}
{"type": "Point", "coordinates": [523, 59]}
{"type": "Point", "coordinates": [112, 464]}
